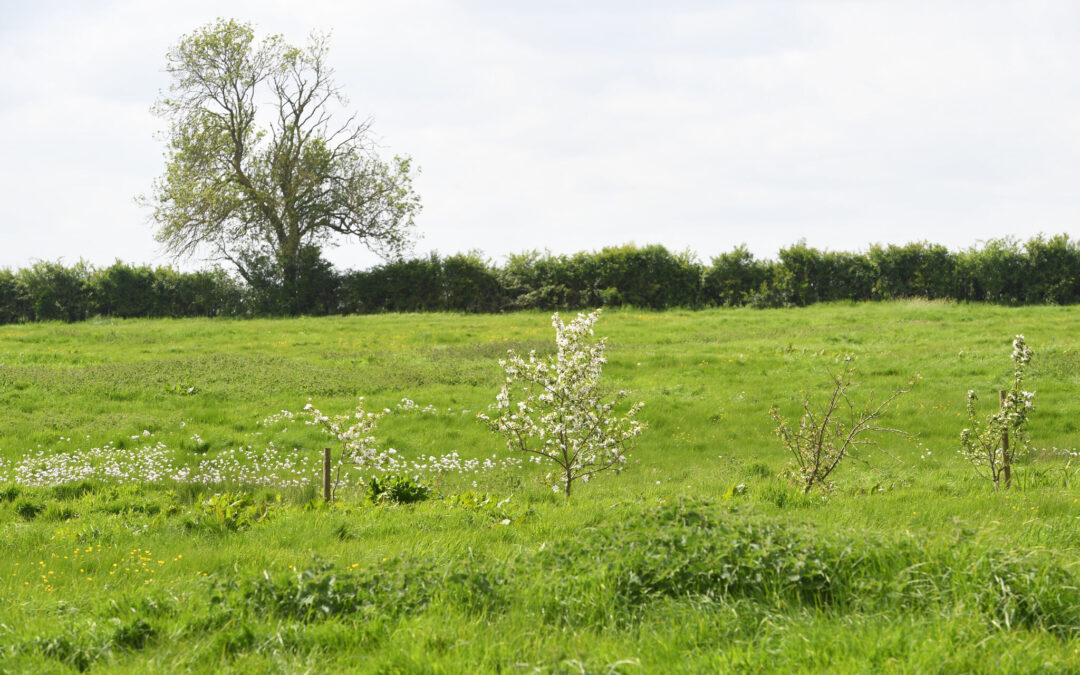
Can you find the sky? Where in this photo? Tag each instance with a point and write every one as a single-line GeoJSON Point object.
{"type": "Point", "coordinates": [574, 125]}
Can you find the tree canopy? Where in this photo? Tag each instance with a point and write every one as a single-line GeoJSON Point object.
{"type": "Point", "coordinates": [264, 166]}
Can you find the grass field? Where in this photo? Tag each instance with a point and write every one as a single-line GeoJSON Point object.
{"type": "Point", "coordinates": [697, 558]}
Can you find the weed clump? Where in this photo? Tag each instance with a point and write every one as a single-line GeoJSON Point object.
{"type": "Point", "coordinates": [229, 512]}
{"type": "Point", "coordinates": [699, 552]}
{"type": "Point", "coordinates": [133, 635]}
{"type": "Point", "coordinates": [28, 509]}
{"type": "Point", "coordinates": [395, 489]}
{"type": "Point", "coordinates": [324, 591]}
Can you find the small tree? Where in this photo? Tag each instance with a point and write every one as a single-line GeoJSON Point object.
{"type": "Point", "coordinates": [994, 444]}
{"type": "Point", "coordinates": [824, 439]}
{"type": "Point", "coordinates": [354, 432]}
{"type": "Point", "coordinates": [554, 407]}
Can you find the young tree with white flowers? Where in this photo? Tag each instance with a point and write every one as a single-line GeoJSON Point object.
{"type": "Point", "coordinates": [356, 434]}
{"type": "Point", "coordinates": [555, 409]}
{"type": "Point", "coordinates": [994, 444]}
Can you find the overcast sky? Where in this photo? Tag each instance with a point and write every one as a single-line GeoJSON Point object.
{"type": "Point", "coordinates": [572, 125]}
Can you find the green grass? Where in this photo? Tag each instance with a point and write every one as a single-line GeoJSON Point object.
{"type": "Point", "coordinates": [698, 558]}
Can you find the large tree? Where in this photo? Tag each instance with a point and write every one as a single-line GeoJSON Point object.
{"type": "Point", "coordinates": [263, 164]}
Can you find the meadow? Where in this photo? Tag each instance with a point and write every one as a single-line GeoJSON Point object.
{"type": "Point", "coordinates": [159, 506]}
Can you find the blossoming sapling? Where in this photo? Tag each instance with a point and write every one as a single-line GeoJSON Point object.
{"type": "Point", "coordinates": [357, 441]}
{"type": "Point", "coordinates": [994, 444]}
{"type": "Point", "coordinates": [554, 408]}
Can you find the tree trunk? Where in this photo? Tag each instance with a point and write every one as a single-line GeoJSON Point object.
{"type": "Point", "coordinates": [289, 262]}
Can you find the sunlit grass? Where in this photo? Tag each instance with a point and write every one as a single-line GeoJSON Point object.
{"type": "Point", "coordinates": [87, 562]}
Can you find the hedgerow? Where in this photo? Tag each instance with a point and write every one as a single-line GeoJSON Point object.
{"type": "Point", "coordinates": [1043, 270]}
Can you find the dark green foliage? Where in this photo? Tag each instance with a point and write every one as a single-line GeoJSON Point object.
{"type": "Point", "coordinates": [849, 276]}
{"type": "Point", "coordinates": [308, 285]}
{"type": "Point", "coordinates": [324, 592]}
{"type": "Point", "coordinates": [401, 286]}
{"type": "Point", "coordinates": [50, 291]}
{"type": "Point", "coordinates": [83, 652]}
{"type": "Point", "coordinates": [700, 551]}
{"type": "Point", "coordinates": [394, 489]}
{"type": "Point", "coordinates": [996, 273]}
{"type": "Point", "coordinates": [649, 277]}
{"type": "Point", "coordinates": [1052, 271]}
{"type": "Point", "coordinates": [54, 292]}
{"type": "Point", "coordinates": [916, 270]}
{"type": "Point", "coordinates": [463, 283]}
{"type": "Point", "coordinates": [230, 512]}
{"type": "Point", "coordinates": [133, 635]}
{"type": "Point", "coordinates": [470, 284]}
{"type": "Point", "coordinates": [734, 278]}
{"type": "Point", "coordinates": [28, 509]}
{"type": "Point", "coordinates": [807, 277]}
{"type": "Point", "coordinates": [124, 291]}
{"type": "Point", "coordinates": [1041, 271]}
{"type": "Point", "coordinates": [59, 512]}
{"type": "Point", "coordinates": [533, 280]}
{"type": "Point", "coordinates": [14, 305]}
{"type": "Point", "coordinates": [641, 277]}
{"type": "Point", "coordinates": [203, 293]}
{"type": "Point", "coordinates": [63, 649]}
{"type": "Point", "coordinates": [70, 491]}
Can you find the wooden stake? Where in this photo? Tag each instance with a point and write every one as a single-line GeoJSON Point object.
{"type": "Point", "coordinates": [1006, 464]}
{"type": "Point", "coordinates": [326, 493]}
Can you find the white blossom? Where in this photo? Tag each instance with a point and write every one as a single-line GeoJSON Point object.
{"type": "Point", "coordinates": [981, 442]}
{"type": "Point", "coordinates": [553, 408]}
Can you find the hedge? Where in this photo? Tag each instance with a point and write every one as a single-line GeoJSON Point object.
{"type": "Point", "coordinates": [1043, 270]}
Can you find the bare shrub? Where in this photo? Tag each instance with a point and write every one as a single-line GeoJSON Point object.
{"type": "Point", "coordinates": [838, 430]}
